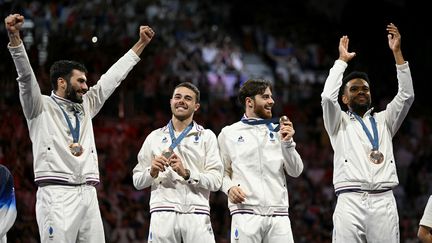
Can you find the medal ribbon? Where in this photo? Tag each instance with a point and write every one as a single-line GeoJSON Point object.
{"type": "Point", "coordinates": [268, 123]}
{"type": "Point", "coordinates": [374, 139]}
{"type": "Point", "coordinates": [74, 131]}
{"type": "Point", "coordinates": [176, 141]}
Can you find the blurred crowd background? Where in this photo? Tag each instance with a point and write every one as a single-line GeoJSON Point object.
{"type": "Point", "coordinates": [217, 45]}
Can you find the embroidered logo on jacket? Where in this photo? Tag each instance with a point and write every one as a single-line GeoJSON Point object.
{"type": "Point", "coordinates": [272, 137]}
{"type": "Point", "coordinates": [150, 237]}
{"type": "Point", "coordinates": [236, 234]}
{"type": "Point", "coordinates": [50, 233]}
{"type": "Point", "coordinates": [240, 139]}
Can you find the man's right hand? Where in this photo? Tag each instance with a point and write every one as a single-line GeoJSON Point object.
{"type": "Point", "coordinates": [344, 54]}
{"type": "Point", "coordinates": [13, 24]}
{"type": "Point", "coordinates": [236, 195]}
{"type": "Point", "coordinates": [158, 165]}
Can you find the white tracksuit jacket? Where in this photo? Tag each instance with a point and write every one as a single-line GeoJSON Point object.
{"type": "Point", "coordinates": [199, 153]}
{"type": "Point", "coordinates": [352, 168]}
{"type": "Point", "coordinates": [47, 125]}
{"type": "Point", "coordinates": [258, 162]}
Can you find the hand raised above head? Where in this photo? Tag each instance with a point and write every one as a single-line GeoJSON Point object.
{"type": "Point", "coordinates": [394, 37]}
{"type": "Point", "coordinates": [146, 34]}
{"type": "Point", "coordinates": [344, 54]}
{"type": "Point", "coordinates": [13, 23]}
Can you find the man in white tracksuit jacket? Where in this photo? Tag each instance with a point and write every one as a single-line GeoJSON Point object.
{"type": "Point", "coordinates": [60, 126]}
{"type": "Point", "coordinates": [256, 159]}
{"type": "Point", "coordinates": [181, 164]}
{"type": "Point", "coordinates": [364, 164]}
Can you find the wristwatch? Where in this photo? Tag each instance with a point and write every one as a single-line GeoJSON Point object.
{"type": "Point", "coordinates": [187, 176]}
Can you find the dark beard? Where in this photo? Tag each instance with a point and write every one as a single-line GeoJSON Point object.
{"type": "Point", "coordinates": [359, 109]}
{"type": "Point", "coordinates": [71, 94]}
{"type": "Point", "coordinates": [261, 113]}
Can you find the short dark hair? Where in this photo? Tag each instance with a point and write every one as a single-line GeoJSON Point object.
{"type": "Point", "coordinates": [192, 87]}
{"type": "Point", "coordinates": [63, 69]}
{"type": "Point", "coordinates": [252, 87]}
{"type": "Point", "coordinates": [353, 75]}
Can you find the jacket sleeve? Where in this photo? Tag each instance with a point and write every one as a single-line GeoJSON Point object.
{"type": "Point", "coordinates": [8, 214]}
{"type": "Point", "coordinates": [227, 183]}
{"type": "Point", "coordinates": [100, 92]}
{"type": "Point", "coordinates": [293, 163]}
{"type": "Point", "coordinates": [141, 173]}
{"type": "Point", "coordinates": [426, 219]}
{"type": "Point", "coordinates": [8, 211]}
{"type": "Point", "coordinates": [332, 112]}
{"type": "Point", "coordinates": [398, 108]}
{"type": "Point", "coordinates": [211, 177]}
{"type": "Point", "coordinates": [29, 90]}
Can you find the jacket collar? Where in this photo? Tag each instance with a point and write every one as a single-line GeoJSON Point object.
{"type": "Point", "coordinates": [367, 113]}
{"type": "Point", "coordinates": [195, 128]}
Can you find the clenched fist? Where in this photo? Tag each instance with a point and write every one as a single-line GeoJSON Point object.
{"type": "Point", "coordinates": [13, 23]}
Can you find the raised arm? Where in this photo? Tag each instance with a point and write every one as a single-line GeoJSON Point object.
{"type": "Point", "coordinates": [99, 93]}
{"type": "Point", "coordinates": [329, 97]}
{"type": "Point", "coordinates": [29, 91]}
{"type": "Point", "coordinates": [394, 41]}
{"type": "Point", "coordinates": [398, 108]}
{"type": "Point", "coordinates": [146, 35]}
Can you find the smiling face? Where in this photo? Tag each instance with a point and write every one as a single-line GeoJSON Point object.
{"type": "Point", "coordinates": [260, 106]}
{"type": "Point", "coordinates": [357, 96]}
{"type": "Point", "coordinates": [76, 86]}
{"type": "Point", "coordinates": [68, 80]}
{"type": "Point", "coordinates": [183, 103]}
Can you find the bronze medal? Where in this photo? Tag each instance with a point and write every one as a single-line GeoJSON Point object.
{"type": "Point", "coordinates": [283, 120]}
{"type": "Point", "coordinates": [76, 149]}
{"type": "Point", "coordinates": [376, 157]}
{"type": "Point", "coordinates": [167, 153]}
